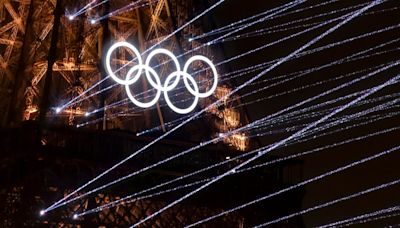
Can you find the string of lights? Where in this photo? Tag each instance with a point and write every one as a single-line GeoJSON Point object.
{"type": "Point", "coordinates": [131, 6]}
{"type": "Point", "coordinates": [330, 203]}
{"type": "Point", "coordinates": [238, 24]}
{"type": "Point", "coordinates": [86, 8]}
{"type": "Point", "coordinates": [273, 29]}
{"type": "Point", "coordinates": [82, 10]}
{"type": "Point", "coordinates": [309, 152]}
{"type": "Point", "coordinates": [360, 217]}
{"type": "Point", "coordinates": [367, 220]}
{"type": "Point", "coordinates": [347, 118]}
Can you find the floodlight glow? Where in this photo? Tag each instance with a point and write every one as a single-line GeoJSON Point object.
{"type": "Point", "coordinates": [153, 78]}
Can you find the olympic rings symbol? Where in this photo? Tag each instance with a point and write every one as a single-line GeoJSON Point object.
{"type": "Point", "coordinates": [171, 81]}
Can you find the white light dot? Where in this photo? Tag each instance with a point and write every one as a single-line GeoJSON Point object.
{"type": "Point", "coordinates": [42, 212]}
{"type": "Point", "coordinates": [227, 158]}
{"type": "Point", "coordinates": [71, 17]}
{"type": "Point", "coordinates": [92, 21]}
{"type": "Point", "coordinates": [87, 114]}
{"type": "Point", "coordinates": [58, 110]}
{"type": "Point", "coordinates": [75, 216]}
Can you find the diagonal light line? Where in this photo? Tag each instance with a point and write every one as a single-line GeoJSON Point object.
{"type": "Point", "coordinates": [375, 213]}
{"type": "Point", "coordinates": [330, 203]}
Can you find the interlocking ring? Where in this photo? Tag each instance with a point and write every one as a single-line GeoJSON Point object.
{"type": "Point", "coordinates": [171, 82]}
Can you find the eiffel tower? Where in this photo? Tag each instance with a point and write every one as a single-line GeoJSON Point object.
{"type": "Point", "coordinates": [48, 58]}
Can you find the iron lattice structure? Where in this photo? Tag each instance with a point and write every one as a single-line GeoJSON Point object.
{"type": "Point", "coordinates": [47, 60]}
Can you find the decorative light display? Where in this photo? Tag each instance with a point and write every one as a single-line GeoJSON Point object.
{"type": "Point", "coordinates": [234, 133]}
{"type": "Point", "coordinates": [171, 82]}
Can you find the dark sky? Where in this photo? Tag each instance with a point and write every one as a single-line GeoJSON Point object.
{"type": "Point", "coordinates": [373, 173]}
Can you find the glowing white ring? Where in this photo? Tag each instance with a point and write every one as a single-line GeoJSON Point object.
{"type": "Point", "coordinates": [132, 98]}
{"type": "Point", "coordinates": [157, 85]}
{"type": "Point", "coordinates": [214, 70]}
{"type": "Point", "coordinates": [196, 88]}
{"type": "Point", "coordinates": [127, 80]}
{"type": "Point", "coordinates": [166, 87]}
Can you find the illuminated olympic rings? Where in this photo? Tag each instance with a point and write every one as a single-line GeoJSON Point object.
{"type": "Point", "coordinates": [153, 78]}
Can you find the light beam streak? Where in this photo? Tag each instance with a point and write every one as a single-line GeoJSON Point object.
{"type": "Point", "coordinates": [330, 203]}
{"type": "Point", "coordinates": [270, 30]}
{"type": "Point", "coordinates": [350, 220]}
{"type": "Point", "coordinates": [87, 8]}
{"type": "Point", "coordinates": [367, 220]}
{"type": "Point", "coordinates": [237, 24]}
{"type": "Point", "coordinates": [130, 6]}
